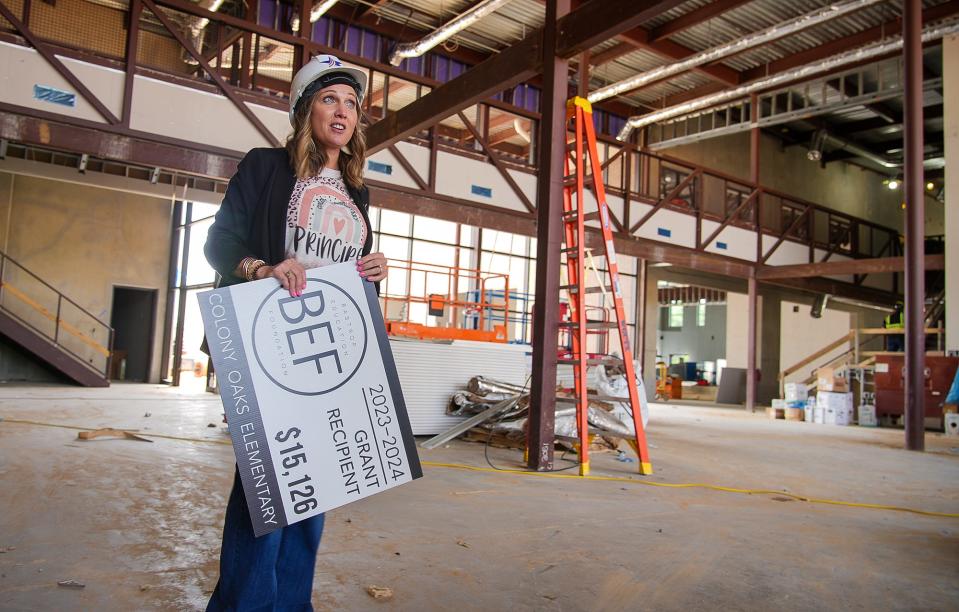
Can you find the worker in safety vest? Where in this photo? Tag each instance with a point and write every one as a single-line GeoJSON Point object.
{"type": "Point", "coordinates": [895, 342]}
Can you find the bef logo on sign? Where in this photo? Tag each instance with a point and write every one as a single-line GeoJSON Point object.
{"type": "Point", "coordinates": [311, 344]}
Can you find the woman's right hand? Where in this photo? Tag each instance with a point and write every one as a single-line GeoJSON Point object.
{"type": "Point", "coordinates": [290, 273]}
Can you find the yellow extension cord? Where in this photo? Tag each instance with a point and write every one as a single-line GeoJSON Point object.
{"type": "Point", "coordinates": [669, 485]}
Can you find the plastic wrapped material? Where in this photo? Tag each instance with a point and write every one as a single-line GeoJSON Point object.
{"type": "Point", "coordinates": [616, 386]}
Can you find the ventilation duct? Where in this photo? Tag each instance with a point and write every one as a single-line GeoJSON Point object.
{"type": "Point", "coordinates": [861, 54]}
{"type": "Point", "coordinates": [816, 146]}
{"type": "Point", "coordinates": [445, 31]}
{"type": "Point", "coordinates": [737, 46]}
{"type": "Point", "coordinates": [319, 9]}
{"type": "Point", "coordinates": [858, 151]}
{"type": "Point", "coordinates": [197, 27]}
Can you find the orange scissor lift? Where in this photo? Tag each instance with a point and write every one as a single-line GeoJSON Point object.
{"type": "Point", "coordinates": [579, 112]}
{"type": "Point", "coordinates": [438, 290]}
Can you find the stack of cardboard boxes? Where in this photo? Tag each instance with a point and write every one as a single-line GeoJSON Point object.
{"type": "Point", "coordinates": [795, 406]}
{"type": "Point", "coordinates": [834, 404]}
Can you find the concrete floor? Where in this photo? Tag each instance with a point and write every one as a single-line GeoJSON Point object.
{"type": "Point", "coordinates": [139, 524]}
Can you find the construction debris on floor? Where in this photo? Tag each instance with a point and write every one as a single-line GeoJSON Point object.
{"type": "Point", "coordinates": [498, 412]}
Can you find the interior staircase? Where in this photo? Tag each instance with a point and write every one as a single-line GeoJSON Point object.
{"type": "Point", "coordinates": [52, 327]}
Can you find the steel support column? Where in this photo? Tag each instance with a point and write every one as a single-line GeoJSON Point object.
{"type": "Point", "coordinates": [549, 235]}
{"type": "Point", "coordinates": [752, 298]}
{"type": "Point", "coordinates": [915, 229]}
{"type": "Point", "coordinates": [950, 74]}
{"type": "Point", "coordinates": [754, 144]}
{"type": "Point", "coordinates": [133, 36]}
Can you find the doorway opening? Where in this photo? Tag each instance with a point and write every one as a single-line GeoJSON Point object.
{"type": "Point", "coordinates": [133, 317]}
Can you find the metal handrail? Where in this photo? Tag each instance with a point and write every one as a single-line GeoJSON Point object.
{"type": "Point", "coordinates": [59, 324]}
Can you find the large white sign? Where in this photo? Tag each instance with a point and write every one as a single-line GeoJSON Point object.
{"type": "Point", "coordinates": [311, 394]}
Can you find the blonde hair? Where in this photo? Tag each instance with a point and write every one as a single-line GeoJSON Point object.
{"type": "Point", "coordinates": [308, 160]}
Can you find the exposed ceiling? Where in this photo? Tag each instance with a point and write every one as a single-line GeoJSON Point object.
{"type": "Point", "coordinates": [694, 26]}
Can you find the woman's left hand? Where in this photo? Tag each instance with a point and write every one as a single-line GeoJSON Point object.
{"type": "Point", "coordinates": [372, 267]}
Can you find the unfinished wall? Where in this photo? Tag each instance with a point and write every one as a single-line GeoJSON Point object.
{"type": "Point", "coordinates": [803, 335]}
{"type": "Point", "coordinates": [840, 186]}
{"type": "Point", "coordinates": [84, 240]}
{"type": "Point", "coordinates": [768, 338]}
{"type": "Point", "coordinates": [737, 326]}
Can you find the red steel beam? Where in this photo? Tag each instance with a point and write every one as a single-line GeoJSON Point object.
{"type": "Point", "coordinates": [115, 142]}
{"type": "Point", "coordinates": [549, 234]}
{"type": "Point", "coordinates": [133, 36]}
{"type": "Point", "coordinates": [517, 191]}
{"type": "Point", "coordinates": [915, 301]}
{"type": "Point", "coordinates": [693, 18]}
{"type": "Point", "coordinates": [874, 265]}
{"type": "Point", "coordinates": [947, 9]}
{"type": "Point", "coordinates": [227, 91]}
{"type": "Point", "coordinates": [612, 53]}
{"type": "Point", "coordinates": [848, 42]}
{"type": "Point", "coordinates": [639, 37]}
{"type": "Point", "coordinates": [595, 22]}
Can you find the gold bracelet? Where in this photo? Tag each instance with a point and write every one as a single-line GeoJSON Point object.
{"type": "Point", "coordinates": [254, 266]}
{"type": "Point", "coordinates": [245, 266]}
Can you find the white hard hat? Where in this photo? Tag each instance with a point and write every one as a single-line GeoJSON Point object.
{"type": "Point", "coordinates": [321, 65]}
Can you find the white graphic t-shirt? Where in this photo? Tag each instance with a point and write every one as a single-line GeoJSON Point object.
{"type": "Point", "coordinates": [323, 224]}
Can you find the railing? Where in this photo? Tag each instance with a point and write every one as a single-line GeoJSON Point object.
{"type": "Point", "coordinates": [459, 300]}
{"type": "Point", "coordinates": [666, 182]}
{"type": "Point", "coordinates": [854, 354]}
{"type": "Point", "coordinates": [248, 61]}
{"type": "Point", "coordinates": [44, 310]}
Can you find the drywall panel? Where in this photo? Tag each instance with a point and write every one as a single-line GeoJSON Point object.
{"type": "Point", "coordinates": [212, 119]}
{"type": "Point", "coordinates": [383, 166]}
{"type": "Point", "coordinates": [787, 253]}
{"type": "Point", "coordinates": [431, 372]}
{"type": "Point", "coordinates": [22, 68]}
{"type": "Point", "coordinates": [668, 226]}
{"type": "Point", "coordinates": [474, 180]}
{"type": "Point", "coordinates": [732, 241]}
{"type": "Point", "coordinates": [737, 326]}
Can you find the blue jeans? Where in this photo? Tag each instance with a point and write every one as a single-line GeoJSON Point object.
{"type": "Point", "coordinates": [272, 572]}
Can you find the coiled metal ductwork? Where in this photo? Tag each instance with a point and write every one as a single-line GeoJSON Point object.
{"type": "Point", "coordinates": [318, 10]}
{"type": "Point", "coordinates": [737, 46]}
{"type": "Point", "coordinates": [858, 151]}
{"type": "Point", "coordinates": [930, 33]}
{"type": "Point", "coordinates": [442, 33]}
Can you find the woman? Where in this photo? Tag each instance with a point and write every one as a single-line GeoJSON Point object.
{"type": "Point", "coordinates": [287, 210]}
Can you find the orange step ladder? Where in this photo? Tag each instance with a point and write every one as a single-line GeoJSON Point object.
{"type": "Point", "coordinates": [579, 112]}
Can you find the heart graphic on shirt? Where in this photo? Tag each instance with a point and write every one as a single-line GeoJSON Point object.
{"type": "Point", "coordinates": [338, 225]}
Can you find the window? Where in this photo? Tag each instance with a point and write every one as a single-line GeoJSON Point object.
{"type": "Point", "coordinates": [676, 315]}
{"type": "Point", "coordinates": [701, 315]}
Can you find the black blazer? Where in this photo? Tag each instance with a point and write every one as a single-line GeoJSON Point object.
{"type": "Point", "coordinates": [251, 221]}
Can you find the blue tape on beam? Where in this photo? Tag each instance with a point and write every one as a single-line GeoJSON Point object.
{"type": "Point", "coordinates": [486, 192]}
{"type": "Point", "coordinates": [54, 96]}
{"type": "Point", "coordinates": [662, 231]}
{"type": "Point", "coordinates": [722, 245]}
{"type": "Point", "coordinates": [382, 168]}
